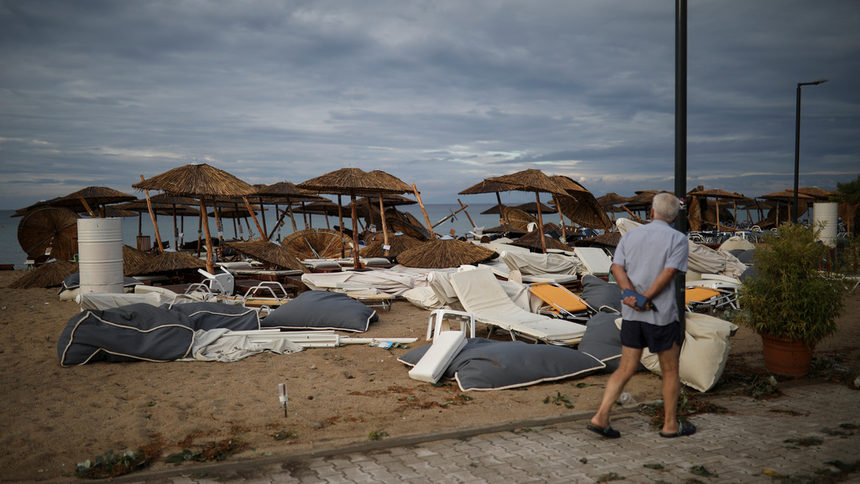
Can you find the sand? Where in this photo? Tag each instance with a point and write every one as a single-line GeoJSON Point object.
{"type": "Point", "coordinates": [54, 417]}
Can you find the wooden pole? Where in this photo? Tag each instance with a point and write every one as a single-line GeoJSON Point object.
{"type": "Point", "coordinates": [384, 226]}
{"type": "Point", "coordinates": [210, 266]}
{"type": "Point", "coordinates": [540, 222]}
{"type": "Point", "coordinates": [87, 205]}
{"type": "Point", "coordinates": [502, 220]}
{"type": "Point", "coordinates": [175, 231]}
{"type": "Point", "coordinates": [355, 263]}
{"type": "Point", "coordinates": [199, 234]}
{"type": "Point", "coordinates": [254, 216]}
{"type": "Point", "coordinates": [467, 214]}
{"type": "Point", "coordinates": [424, 211]}
{"type": "Point", "coordinates": [340, 220]}
{"type": "Point", "coordinates": [152, 216]}
{"type": "Point", "coordinates": [220, 228]}
{"type": "Point", "coordinates": [561, 216]}
{"type": "Point", "coordinates": [280, 221]}
{"type": "Point", "coordinates": [263, 216]}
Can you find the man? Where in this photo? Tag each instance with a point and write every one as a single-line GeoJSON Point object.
{"type": "Point", "coordinates": [645, 262]}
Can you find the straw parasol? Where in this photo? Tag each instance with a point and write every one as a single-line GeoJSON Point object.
{"type": "Point", "coordinates": [532, 240]}
{"type": "Point", "coordinates": [487, 186]}
{"type": "Point", "coordinates": [286, 193]}
{"type": "Point", "coordinates": [532, 180]}
{"type": "Point", "coordinates": [717, 194]}
{"type": "Point", "coordinates": [820, 194]}
{"type": "Point", "coordinates": [163, 262]}
{"type": "Point", "coordinates": [315, 244]}
{"type": "Point", "coordinates": [352, 182]}
{"type": "Point", "coordinates": [610, 199]}
{"type": "Point", "coordinates": [786, 196]}
{"type": "Point", "coordinates": [268, 253]}
{"type": "Point", "coordinates": [49, 231]}
{"type": "Point", "coordinates": [442, 253]}
{"type": "Point", "coordinates": [579, 205]}
{"type": "Point", "coordinates": [48, 275]}
{"type": "Point", "coordinates": [83, 199]}
{"type": "Point", "coordinates": [608, 239]}
{"type": "Point", "coordinates": [398, 243]}
{"type": "Point", "coordinates": [200, 181]}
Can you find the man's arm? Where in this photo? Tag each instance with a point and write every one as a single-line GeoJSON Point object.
{"type": "Point", "coordinates": [663, 279]}
{"type": "Point", "coordinates": [624, 283]}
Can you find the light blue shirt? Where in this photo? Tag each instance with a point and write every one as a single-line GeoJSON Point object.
{"type": "Point", "coordinates": [644, 252]}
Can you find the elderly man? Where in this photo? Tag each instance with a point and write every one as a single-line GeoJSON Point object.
{"type": "Point", "coordinates": [645, 264]}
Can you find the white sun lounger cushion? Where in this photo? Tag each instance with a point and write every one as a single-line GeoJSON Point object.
{"type": "Point", "coordinates": [481, 294]}
{"type": "Point", "coordinates": [435, 361]}
{"type": "Point", "coordinates": [704, 353]}
{"type": "Point", "coordinates": [594, 260]}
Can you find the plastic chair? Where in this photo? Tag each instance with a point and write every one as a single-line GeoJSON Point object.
{"type": "Point", "coordinates": [434, 325]}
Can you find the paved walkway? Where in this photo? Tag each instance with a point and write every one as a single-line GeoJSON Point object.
{"type": "Point", "coordinates": [794, 436]}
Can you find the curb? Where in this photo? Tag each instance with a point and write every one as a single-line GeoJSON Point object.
{"type": "Point", "coordinates": [362, 447]}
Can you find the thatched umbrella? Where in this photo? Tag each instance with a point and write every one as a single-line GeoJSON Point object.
{"type": "Point", "coordinates": [51, 231]}
{"type": "Point", "coordinates": [786, 196]}
{"type": "Point", "coordinates": [314, 244]}
{"type": "Point", "coordinates": [326, 208]}
{"type": "Point", "coordinates": [579, 205]}
{"type": "Point", "coordinates": [442, 253]}
{"type": "Point", "coordinates": [397, 244]}
{"type": "Point", "coordinates": [200, 181]}
{"type": "Point", "coordinates": [717, 194]}
{"type": "Point", "coordinates": [487, 186]}
{"type": "Point", "coordinates": [161, 205]}
{"type": "Point", "coordinates": [83, 199]}
{"type": "Point", "coordinates": [47, 275]}
{"type": "Point", "coordinates": [607, 239]}
{"type": "Point", "coordinates": [532, 240]}
{"type": "Point", "coordinates": [610, 199]}
{"type": "Point", "coordinates": [286, 193]}
{"type": "Point", "coordinates": [820, 194]}
{"type": "Point", "coordinates": [268, 253]}
{"type": "Point", "coordinates": [352, 182]}
{"type": "Point", "coordinates": [532, 180]}
{"type": "Point", "coordinates": [164, 262]}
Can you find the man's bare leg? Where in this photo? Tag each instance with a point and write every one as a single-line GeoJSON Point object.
{"type": "Point", "coordinates": [626, 369]}
{"type": "Point", "coordinates": [669, 363]}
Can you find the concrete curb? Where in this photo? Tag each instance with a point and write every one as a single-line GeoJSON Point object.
{"type": "Point", "coordinates": [363, 447]}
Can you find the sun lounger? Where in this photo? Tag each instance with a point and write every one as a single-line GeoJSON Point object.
{"type": "Point", "coordinates": [480, 294]}
{"type": "Point", "coordinates": [594, 260]}
{"type": "Point", "coordinates": [562, 302]}
{"type": "Point", "coordinates": [697, 297]}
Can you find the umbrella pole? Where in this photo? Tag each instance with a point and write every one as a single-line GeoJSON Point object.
{"type": "Point", "coordinates": [355, 263]}
{"type": "Point", "coordinates": [467, 214]}
{"type": "Point", "coordinates": [370, 209]}
{"type": "Point", "coordinates": [152, 216]}
{"type": "Point", "coordinates": [139, 224]}
{"type": "Point", "coordinates": [263, 216]}
{"type": "Point", "coordinates": [175, 230]}
{"type": "Point", "coordinates": [210, 267]}
{"type": "Point", "coordinates": [280, 222]}
{"type": "Point", "coordinates": [292, 218]}
{"type": "Point", "coordinates": [235, 228]}
{"type": "Point", "coordinates": [220, 228]}
{"type": "Point", "coordinates": [717, 202]}
{"type": "Point", "coordinates": [424, 211]}
{"type": "Point", "coordinates": [561, 216]}
{"type": "Point", "coordinates": [384, 227]}
{"type": "Point", "coordinates": [199, 233]}
{"type": "Point", "coordinates": [254, 216]}
{"type": "Point", "coordinates": [304, 215]}
{"type": "Point", "coordinates": [540, 221]}
{"type": "Point", "coordinates": [340, 220]}
{"type": "Point", "coordinates": [501, 213]}
{"type": "Point", "coordinates": [181, 231]}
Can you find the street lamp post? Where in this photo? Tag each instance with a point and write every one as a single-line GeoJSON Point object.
{"type": "Point", "coordinates": [794, 206]}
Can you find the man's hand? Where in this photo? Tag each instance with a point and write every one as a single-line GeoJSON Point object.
{"type": "Point", "coordinates": [631, 301]}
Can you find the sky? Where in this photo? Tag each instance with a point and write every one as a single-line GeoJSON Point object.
{"type": "Point", "coordinates": [438, 93]}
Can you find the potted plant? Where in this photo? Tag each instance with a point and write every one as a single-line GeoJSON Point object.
{"type": "Point", "coordinates": [789, 302]}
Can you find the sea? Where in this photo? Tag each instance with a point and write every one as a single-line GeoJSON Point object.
{"type": "Point", "coordinates": [11, 251]}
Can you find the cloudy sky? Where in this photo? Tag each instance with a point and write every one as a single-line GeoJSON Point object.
{"type": "Point", "coordinates": [439, 93]}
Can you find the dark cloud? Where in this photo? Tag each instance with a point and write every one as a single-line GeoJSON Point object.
{"type": "Point", "coordinates": [442, 94]}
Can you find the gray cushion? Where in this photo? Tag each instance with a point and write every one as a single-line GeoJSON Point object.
{"type": "Point", "coordinates": [598, 292]}
{"type": "Point", "coordinates": [602, 339]}
{"type": "Point", "coordinates": [210, 315]}
{"type": "Point", "coordinates": [321, 310]}
{"type": "Point", "coordinates": [485, 364]}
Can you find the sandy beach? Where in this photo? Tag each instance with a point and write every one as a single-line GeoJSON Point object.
{"type": "Point", "coordinates": [54, 417]}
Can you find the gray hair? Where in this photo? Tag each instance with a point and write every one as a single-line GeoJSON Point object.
{"type": "Point", "coordinates": [666, 206]}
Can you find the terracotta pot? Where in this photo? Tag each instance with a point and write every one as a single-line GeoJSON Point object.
{"type": "Point", "coordinates": [786, 357]}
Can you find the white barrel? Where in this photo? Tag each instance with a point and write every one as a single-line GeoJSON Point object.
{"type": "Point", "coordinates": [826, 214]}
{"type": "Point", "coordinates": [100, 254]}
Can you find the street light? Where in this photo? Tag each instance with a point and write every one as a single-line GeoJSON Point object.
{"type": "Point", "coordinates": [797, 145]}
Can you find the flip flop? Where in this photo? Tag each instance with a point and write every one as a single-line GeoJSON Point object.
{"type": "Point", "coordinates": [684, 428]}
{"type": "Point", "coordinates": [608, 431]}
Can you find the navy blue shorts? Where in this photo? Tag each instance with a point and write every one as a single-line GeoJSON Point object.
{"type": "Point", "coordinates": [636, 334]}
